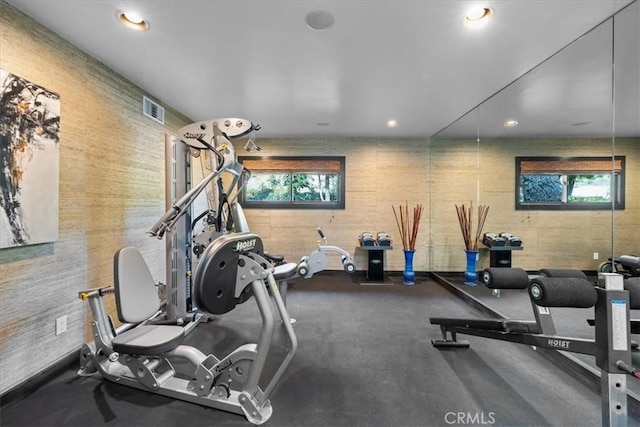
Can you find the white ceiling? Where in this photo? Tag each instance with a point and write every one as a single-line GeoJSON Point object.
{"type": "Point", "coordinates": [412, 61]}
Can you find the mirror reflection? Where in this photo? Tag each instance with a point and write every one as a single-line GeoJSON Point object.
{"type": "Point", "coordinates": [580, 107]}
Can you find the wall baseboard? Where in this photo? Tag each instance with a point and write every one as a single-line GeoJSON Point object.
{"type": "Point", "coordinates": [25, 388]}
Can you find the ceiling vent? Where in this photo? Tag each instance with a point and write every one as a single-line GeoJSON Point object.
{"type": "Point", "coordinates": [152, 110]}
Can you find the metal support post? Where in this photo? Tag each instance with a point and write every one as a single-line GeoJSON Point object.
{"type": "Point", "coordinates": [612, 347]}
{"type": "Point", "coordinates": [177, 241]}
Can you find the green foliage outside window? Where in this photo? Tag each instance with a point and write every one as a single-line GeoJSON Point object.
{"type": "Point", "coordinates": [540, 188]}
{"type": "Point", "coordinates": [565, 188]}
{"type": "Point", "coordinates": [570, 183]}
{"type": "Point", "coordinates": [298, 187]}
{"type": "Point", "coordinates": [290, 182]}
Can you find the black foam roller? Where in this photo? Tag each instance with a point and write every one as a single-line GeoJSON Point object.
{"type": "Point", "coordinates": [562, 272]}
{"type": "Point", "coordinates": [632, 284]}
{"type": "Point", "coordinates": [505, 278]}
{"type": "Point", "coordinates": [563, 292]}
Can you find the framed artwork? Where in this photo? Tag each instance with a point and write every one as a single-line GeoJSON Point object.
{"type": "Point", "coordinates": [29, 162]}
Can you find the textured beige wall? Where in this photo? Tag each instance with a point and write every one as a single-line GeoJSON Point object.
{"type": "Point", "coordinates": [111, 191]}
{"type": "Point", "coordinates": [441, 174]}
{"type": "Point", "coordinates": [626, 224]}
{"type": "Point", "coordinates": [380, 173]}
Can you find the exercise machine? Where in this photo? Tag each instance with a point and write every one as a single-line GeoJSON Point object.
{"type": "Point", "coordinates": [611, 346]}
{"type": "Point", "coordinates": [231, 271]}
{"type": "Point", "coordinates": [317, 261]}
{"type": "Point", "coordinates": [197, 214]}
{"type": "Point", "coordinates": [229, 267]}
{"type": "Point", "coordinates": [210, 142]}
{"type": "Point", "coordinates": [308, 265]}
{"type": "Point", "coordinates": [627, 265]}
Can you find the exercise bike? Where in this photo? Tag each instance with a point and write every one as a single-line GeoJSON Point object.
{"type": "Point", "coordinates": [627, 265]}
{"type": "Point", "coordinates": [308, 265]}
{"type": "Point", "coordinates": [317, 261]}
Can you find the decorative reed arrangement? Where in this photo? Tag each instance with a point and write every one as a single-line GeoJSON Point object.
{"type": "Point", "coordinates": [408, 229]}
{"type": "Point", "coordinates": [464, 218]}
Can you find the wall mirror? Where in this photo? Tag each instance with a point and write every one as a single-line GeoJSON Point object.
{"type": "Point", "coordinates": [571, 105]}
{"type": "Point", "coordinates": [626, 125]}
{"type": "Point", "coordinates": [582, 102]}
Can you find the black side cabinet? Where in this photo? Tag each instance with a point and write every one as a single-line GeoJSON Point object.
{"type": "Point", "coordinates": [375, 265]}
{"type": "Point", "coordinates": [500, 256]}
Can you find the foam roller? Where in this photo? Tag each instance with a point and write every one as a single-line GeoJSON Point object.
{"type": "Point", "coordinates": [563, 292]}
{"type": "Point", "coordinates": [632, 285]}
{"type": "Point", "coordinates": [303, 266]}
{"type": "Point", "coordinates": [505, 278]}
{"type": "Point", "coordinates": [562, 272]}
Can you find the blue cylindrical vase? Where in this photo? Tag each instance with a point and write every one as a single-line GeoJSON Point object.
{"type": "Point", "coordinates": [408, 274]}
{"type": "Point", "coordinates": [470, 274]}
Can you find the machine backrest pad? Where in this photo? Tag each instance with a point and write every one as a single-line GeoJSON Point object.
{"type": "Point", "coordinates": [136, 293]}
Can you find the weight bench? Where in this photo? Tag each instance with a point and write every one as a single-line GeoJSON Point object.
{"type": "Point", "coordinates": [567, 289]}
{"type": "Point", "coordinates": [495, 278]}
{"type": "Point", "coordinates": [611, 346]}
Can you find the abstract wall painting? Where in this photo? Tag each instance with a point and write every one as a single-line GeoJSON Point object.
{"type": "Point", "coordinates": [29, 162]}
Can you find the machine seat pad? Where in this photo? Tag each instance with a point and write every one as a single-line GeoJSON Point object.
{"type": "Point", "coordinates": [285, 271]}
{"type": "Point", "coordinates": [499, 325]}
{"type": "Point", "coordinates": [149, 340]}
{"type": "Point", "coordinates": [278, 259]}
{"type": "Point", "coordinates": [631, 261]}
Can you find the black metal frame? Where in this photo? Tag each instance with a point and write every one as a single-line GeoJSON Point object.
{"type": "Point", "coordinates": [339, 204]}
{"type": "Point", "coordinates": [618, 198]}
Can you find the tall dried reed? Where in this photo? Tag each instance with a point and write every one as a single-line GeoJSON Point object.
{"type": "Point", "coordinates": [466, 225]}
{"type": "Point", "coordinates": [407, 226]}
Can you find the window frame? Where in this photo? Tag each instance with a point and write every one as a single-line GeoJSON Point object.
{"type": "Point", "coordinates": [618, 202]}
{"type": "Point", "coordinates": [250, 204]}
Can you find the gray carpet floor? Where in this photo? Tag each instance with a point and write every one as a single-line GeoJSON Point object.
{"type": "Point", "coordinates": [364, 359]}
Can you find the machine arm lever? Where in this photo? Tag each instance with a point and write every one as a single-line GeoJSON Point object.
{"type": "Point", "coordinates": [179, 208]}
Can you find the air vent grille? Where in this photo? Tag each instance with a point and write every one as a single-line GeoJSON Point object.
{"type": "Point", "coordinates": [152, 110]}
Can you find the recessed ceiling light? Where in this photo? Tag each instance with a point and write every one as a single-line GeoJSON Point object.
{"type": "Point", "coordinates": [319, 20]}
{"type": "Point", "coordinates": [580, 123]}
{"type": "Point", "coordinates": [510, 123]}
{"type": "Point", "coordinates": [478, 17]}
{"type": "Point", "coordinates": [392, 124]}
{"type": "Point", "coordinates": [132, 20]}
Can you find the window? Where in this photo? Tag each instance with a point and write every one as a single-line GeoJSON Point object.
{"type": "Point", "coordinates": [577, 183]}
{"type": "Point", "coordinates": [294, 183]}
